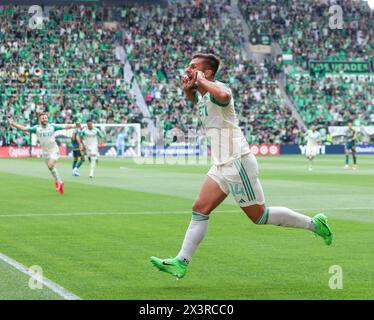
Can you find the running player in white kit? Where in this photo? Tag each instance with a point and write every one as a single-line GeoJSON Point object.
{"type": "Point", "coordinates": [312, 147]}
{"type": "Point", "coordinates": [46, 136]}
{"type": "Point", "coordinates": [91, 136]}
{"type": "Point", "coordinates": [234, 170]}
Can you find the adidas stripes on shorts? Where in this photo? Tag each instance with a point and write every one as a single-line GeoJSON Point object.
{"type": "Point", "coordinates": [240, 177]}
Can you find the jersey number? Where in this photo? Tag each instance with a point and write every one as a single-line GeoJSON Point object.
{"type": "Point", "coordinates": [203, 111]}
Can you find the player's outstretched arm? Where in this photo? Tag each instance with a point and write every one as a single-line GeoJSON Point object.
{"type": "Point", "coordinates": [17, 125]}
{"type": "Point", "coordinates": [219, 92]}
{"type": "Point", "coordinates": [58, 127]}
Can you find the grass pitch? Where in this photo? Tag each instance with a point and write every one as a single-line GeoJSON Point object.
{"type": "Point", "coordinates": [96, 240]}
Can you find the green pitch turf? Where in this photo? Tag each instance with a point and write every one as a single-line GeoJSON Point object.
{"type": "Point", "coordinates": [96, 240]}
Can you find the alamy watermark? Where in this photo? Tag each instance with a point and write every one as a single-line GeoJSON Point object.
{"type": "Point", "coordinates": [336, 19]}
{"type": "Point", "coordinates": [36, 20]}
{"type": "Point", "coordinates": [336, 280]}
{"type": "Point", "coordinates": [36, 277]}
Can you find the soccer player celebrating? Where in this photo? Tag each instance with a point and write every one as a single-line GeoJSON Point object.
{"type": "Point", "coordinates": [78, 153]}
{"type": "Point", "coordinates": [91, 136]}
{"type": "Point", "coordinates": [45, 133]}
{"type": "Point", "coordinates": [350, 144]}
{"type": "Point", "coordinates": [313, 140]}
{"type": "Point", "coordinates": [234, 170]}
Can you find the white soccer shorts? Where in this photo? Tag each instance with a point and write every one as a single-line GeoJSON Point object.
{"type": "Point", "coordinates": [52, 155]}
{"type": "Point", "coordinates": [240, 177]}
{"type": "Point", "coordinates": [92, 151]}
{"type": "Point", "coordinates": [311, 151]}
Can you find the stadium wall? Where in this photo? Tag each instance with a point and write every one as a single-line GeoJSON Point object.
{"type": "Point", "coordinates": [185, 150]}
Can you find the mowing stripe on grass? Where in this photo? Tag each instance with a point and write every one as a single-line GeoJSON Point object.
{"type": "Point", "coordinates": [57, 214]}
{"type": "Point", "coordinates": [67, 295]}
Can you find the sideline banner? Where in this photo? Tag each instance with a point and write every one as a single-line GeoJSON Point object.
{"type": "Point", "coordinates": [265, 149]}
{"type": "Point", "coordinates": [339, 66]}
{"type": "Point", "coordinates": [329, 149]}
{"type": "Point", "coordinates": [24, 152]}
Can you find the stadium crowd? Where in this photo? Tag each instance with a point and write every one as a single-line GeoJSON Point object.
{"type": "Point", "coordinates": [66, 68]}
{"type": "Point", "coordinates": [160, 43]}
{"type": "Point", "coordinates": [302, 28]}
{"type": "Point", "coordinates": [69, 69]}
{"type": "Point", "coordinates": [332, 101]}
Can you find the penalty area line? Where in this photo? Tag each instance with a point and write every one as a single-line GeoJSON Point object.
{"type": "Point", "coordinates": [61, 291]}
{"type": "Point", "coordinates": [175, 212]}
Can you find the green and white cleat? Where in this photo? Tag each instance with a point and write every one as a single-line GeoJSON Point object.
{"type": "Point", "coordinates": [173, 266]}
{"type": "Point", "coordinates": [322, 228]}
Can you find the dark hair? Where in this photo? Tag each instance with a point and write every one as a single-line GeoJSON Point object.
{"type": "Point", "coordinates": [89, 120]}
{"type": "Point", "coordinates": [210, 60]}
{"type": "Point", "coordinates": [42, 114]}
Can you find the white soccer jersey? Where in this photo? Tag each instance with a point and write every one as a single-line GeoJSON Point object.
{"type": "Point", "coordinates": [313, 138]}
{"type": "Point", "coordinates": [221, 124]}
{"type": "Point", "coordinates": [90, 137]}
{"type": "Point", "coordinates": [46, 137]}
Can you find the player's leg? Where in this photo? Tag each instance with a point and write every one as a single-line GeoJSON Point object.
{"type": "Point", "coordinates": [346, 150]}
{"type": "Point", "coordinates": [93, 153]}
{"type": "Point", "coordinates": [75, 162]}
{"type": "Point", "coordinates": [311, 162]}
{"type": "Point", "coordinates": [122, 149]}
{"type": "Point", "coordinates": [254, 204]}
{"type": "Point", "coordinates": [354, 167]}
{"type": "Point", "coordinates": [92, 165]}
{"type": "Point", "coordinates": [310, 158]}
{"type": "Point", "coordinates": [51, 164]}
{"type": "Point", "coordinates": [209, 197]}
{"type": "Point", "coordinates": [309, 153]}
{"type": "Point", "coordinates": [81, 160]}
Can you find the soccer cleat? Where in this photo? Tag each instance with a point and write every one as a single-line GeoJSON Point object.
{"type": "Point", "coordinates": [173, 266]}
{"type": "Point", "coordinates": [346, 167]}
{"type": "Point", "coordinates": [322, 228]}
{"type": "Point", "coordinates": [61, 188]}
{"type": "Point", "coordinates": [57, 186]}
{"type": "Point", "coordinates": [354, 167]}
{"type": "Point", "coordinates": [310, 168]}
{"type": "Point", "coordinates": [76, 174]}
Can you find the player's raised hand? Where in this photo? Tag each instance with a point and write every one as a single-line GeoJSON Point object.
{"type": "Point", "coordinates": [199, 75]}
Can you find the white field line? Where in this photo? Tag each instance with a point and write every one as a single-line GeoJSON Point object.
{"type": "Point", "coordinates": [67, 295]}
{"type": "Point", "coordinates": [159, 212]}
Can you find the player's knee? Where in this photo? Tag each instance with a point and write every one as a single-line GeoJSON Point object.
{"type": "Point", "coordinates": [255, 212]}
{"type": "Point", "coordinates": [201, 207]}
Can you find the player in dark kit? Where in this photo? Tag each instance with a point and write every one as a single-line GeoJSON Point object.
{"type": "Point", "coordinates": [78, 153]}
{"type": "Point", "coordinates": [350, 144]}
